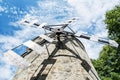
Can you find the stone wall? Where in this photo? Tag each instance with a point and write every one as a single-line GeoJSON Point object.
{"type": "Point", "coordinates": [62, 60]}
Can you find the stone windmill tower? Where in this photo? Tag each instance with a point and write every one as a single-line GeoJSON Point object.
{"type": "Point", "coordinates": [58, 55]}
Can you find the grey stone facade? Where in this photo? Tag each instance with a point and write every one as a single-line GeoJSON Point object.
{"type": "Point", "coordinates": [62, 60]}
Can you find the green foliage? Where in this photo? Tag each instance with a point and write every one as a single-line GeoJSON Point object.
{"type": "Point", "coordinates": [108, 63]}
{"type": "Point", "coordinates": [115, 76]}
{"type": "Point", "coordinates": [113, 23]}
{"type": "Point", "coordinates": [107, 78]}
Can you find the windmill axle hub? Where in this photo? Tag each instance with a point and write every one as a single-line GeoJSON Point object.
{"type": "Point", "coordinates": [58, 30]}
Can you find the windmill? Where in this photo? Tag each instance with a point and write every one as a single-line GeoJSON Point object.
{"type": "Point", "coordinates": [56, 55]}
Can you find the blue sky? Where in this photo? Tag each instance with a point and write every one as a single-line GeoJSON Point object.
{"type": "Point", "coordinates": [91, 14]}
{"type": "Point", "coordinates": [13, 11]}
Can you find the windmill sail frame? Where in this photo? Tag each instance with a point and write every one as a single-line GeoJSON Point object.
{"type": "Point", "coordinates": [56, 54]}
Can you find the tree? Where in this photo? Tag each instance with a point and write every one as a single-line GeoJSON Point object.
{"type": "Point", "coordinates": [113, 23]}
{"type": "Point", "coordinates": [108, 63]}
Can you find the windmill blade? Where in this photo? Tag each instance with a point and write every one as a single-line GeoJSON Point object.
{"type": "Point", "coordinates": [15, 59]}
{"type": "Point", "coordinates": [113, 43]}
{"type": "Point", "coordinates": [36, 25]}
{"type": "Point", "coordinates": [68, 22]}
{"type": "Point", "coordinates": [45, 26]}
{"type": "Point", "coordinates": [34, 46]}
{"type": "Point", "coordinates": [46, 38]}
{"type": "Point", "coordinates": [100, 40]}
{"type": "Point", "coordinates": [28, 23]}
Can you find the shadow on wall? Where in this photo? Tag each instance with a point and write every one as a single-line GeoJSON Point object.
{"type": "Point", "coordinates": [42, 75]}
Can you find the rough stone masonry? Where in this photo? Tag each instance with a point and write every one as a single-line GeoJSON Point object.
{"type": "Point", "coordinates": [61, 60]}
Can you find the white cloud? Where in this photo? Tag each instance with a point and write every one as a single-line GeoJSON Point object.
{"type": "Point", "coordinates": [19, 37]}
{"type": "Point", "coordinates": [6, 73]}
{"type": "Point", "coordinates": [9, 42]}
{"type": "Point", "coordinates": [92, 48]}
{"type": "Point", "coordinates": [6, 69]}
{"type": "Point", "coordinates": [1, 9]}
{"type": "Point", "coordinates": [47, 4]}
{"type": "Point", "coordinates": [91, 11]}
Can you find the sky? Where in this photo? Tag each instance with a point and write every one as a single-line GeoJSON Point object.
{"type": "Point", "coordinates": [91, 14]}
